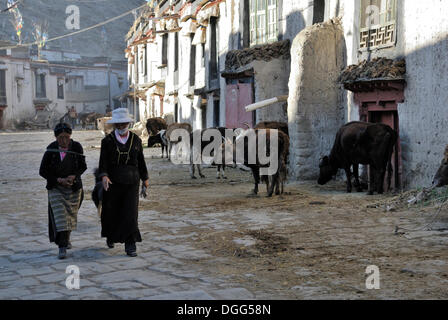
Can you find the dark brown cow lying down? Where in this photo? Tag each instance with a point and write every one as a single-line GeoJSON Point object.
{"type": "Point", "coordinates": [361, 143]}
{"type": "Point", "coordinates": [441, 177]}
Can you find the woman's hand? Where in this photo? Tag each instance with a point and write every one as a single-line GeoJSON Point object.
{"type": "Point", "coordinates": [146, 183]}
{"type": "Point", "coordinates": [65, 182]}
{"type": "Point", "coordinates": [106, 182]}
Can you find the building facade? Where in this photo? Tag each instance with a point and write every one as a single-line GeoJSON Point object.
{"type": "Point", "coordinates": [203, 61]}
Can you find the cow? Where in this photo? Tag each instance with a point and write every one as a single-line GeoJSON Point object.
{"type": "Point", "coordinates": [361, 143]}
{"type": "Point", "coordinates": [171, 140]}
{"type": "Point", "coordinates": [282, 126]}
{"type": "Point", "coordinates": [159, 138]}
{"type": "Point", "coordinates": [204, 143]}
{"type": "Point", "coordinates": [441, 177]}
{"type": "Point", "coordinates": [97, 193]}
{"type": "Point", "coordinates": [154, 125]}
{"type": "Point", "coordinates": [273, 181]}
{"type": "Point", "coordinates": [103, 126]}
{"type": "Point", "coordinates": [89, 119]}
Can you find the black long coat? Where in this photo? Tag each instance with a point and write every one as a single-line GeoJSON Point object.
{"type": "Point", "coordinates": [52, 168]}
{"type": "Point", "coordinates": [125, 166]}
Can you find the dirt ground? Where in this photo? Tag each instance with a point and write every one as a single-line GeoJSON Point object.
{"type": "Point", "coordinates": [313, 242]}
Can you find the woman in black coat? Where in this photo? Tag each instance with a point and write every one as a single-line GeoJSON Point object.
{"type": "Point", "coordinates": [62, 166]}
{"type": "Point", "coordinates": [122, 166]}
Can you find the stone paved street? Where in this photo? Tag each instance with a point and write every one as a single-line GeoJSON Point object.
{"type": "Point", "coordinates": [207, 239]}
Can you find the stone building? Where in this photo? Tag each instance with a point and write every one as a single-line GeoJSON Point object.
{"type": "Point", "coordinates": [204, 61]}
{"type": "Point", "coordinates": [54, 82]}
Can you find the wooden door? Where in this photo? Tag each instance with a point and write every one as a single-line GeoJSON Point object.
{"type": "Point", "coordinates": [238, 96]}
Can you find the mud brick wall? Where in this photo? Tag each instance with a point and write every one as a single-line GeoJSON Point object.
{"type": "Point", "coordinates": [316, 104]}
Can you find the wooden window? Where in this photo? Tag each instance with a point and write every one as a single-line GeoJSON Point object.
{"type": "Point", "coordinates": [263, 21]}
{"type": "Point", "coordinates": [176, 51]}
{"type": "Point", "coordinates": [41, 91]}
{"type": "Point", "coordinates": [145, 60]}
{"type": "Point", "coordinates": [216, 118]}
{"type": "Point", "coordinates": [192, 62]}
{"type": "Point", "coordinates": [213, 48]}
{"type": "Point", "coordinates": [378, 24]}
{"type": "Point", "coordinates": [165, 49]}
{"type": "Point", "coordinates": [2, 87]}
{"type": "Point", "coordinates": [60, 88]}
{"type": "Point", "coordinates": [318, 11]}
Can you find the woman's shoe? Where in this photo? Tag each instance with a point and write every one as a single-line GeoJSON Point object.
{"type": "Point", "coordinates": [131, 249]}
{"type": "Point", "coordinates": [62, 253]}
{"type": "Point", "coordinates": [110, 244]}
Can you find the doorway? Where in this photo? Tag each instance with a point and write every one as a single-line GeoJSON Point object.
{"type": "Point", "coordinates": [382, 107]}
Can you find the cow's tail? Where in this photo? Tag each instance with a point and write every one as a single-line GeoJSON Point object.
{"type": "Point", "coordinates": [392, 142]}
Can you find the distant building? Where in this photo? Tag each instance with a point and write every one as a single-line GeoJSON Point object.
{"type": "Point", "coordinates": [56, 81]}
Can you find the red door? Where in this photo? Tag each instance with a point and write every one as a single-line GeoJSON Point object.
{"type": "Point", "coordinates": [238, 96]}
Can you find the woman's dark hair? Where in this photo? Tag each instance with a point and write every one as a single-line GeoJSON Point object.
{"type": "Point", "coordinates": [62, 127]}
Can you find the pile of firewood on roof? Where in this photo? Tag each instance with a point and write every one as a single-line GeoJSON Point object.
{"type": "Point", "coordinates": [378, 68]}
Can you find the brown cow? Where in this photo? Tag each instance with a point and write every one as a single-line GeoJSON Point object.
{"type": "Point", "coordinates": [274, 181]}
{"type": "Point", "coordinates": [169, 131]}
{"type": "Point", "coordinates": [361, 143]}
{"type": "Point", "coordinates": [441, 177]}
{"type": "Point", "coordinates": [154, 125]}
{"type": "Point", "coordinates": [282, 126]}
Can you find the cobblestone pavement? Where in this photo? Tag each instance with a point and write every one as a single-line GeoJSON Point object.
{"type": "Point", "coordinates": [186, 252]}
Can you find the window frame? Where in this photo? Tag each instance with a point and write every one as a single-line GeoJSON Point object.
{"type": "Point", "coordinates": [382, 24]}
{"type": "Point", "coordinates": [41, 84]}
{"type": "Point", "coordinates": [268, 14]}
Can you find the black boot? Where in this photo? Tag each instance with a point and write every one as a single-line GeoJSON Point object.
{"type": "Point", "coordinates": [62, 253]}
{"type": "Point", "coordinates": [131, 249]}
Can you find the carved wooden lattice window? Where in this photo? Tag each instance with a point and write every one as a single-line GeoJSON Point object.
{"type": "Point", "coordinates": [378, 24]}
{"type": "Point", "coordinates": [263, 21]}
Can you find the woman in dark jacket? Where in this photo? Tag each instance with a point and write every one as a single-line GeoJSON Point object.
{"type": "Point", "coordinates": [62, 165]}
{"type": "Point", "coordinates": [122, 166]}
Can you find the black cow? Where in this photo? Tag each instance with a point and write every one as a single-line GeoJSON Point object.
{"type": "Point", "coordinates": [361, 143]}
{"type": "Point", "coordinates": [441, 177]}
{"type": "Point", "coordinates": [159, 138]}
